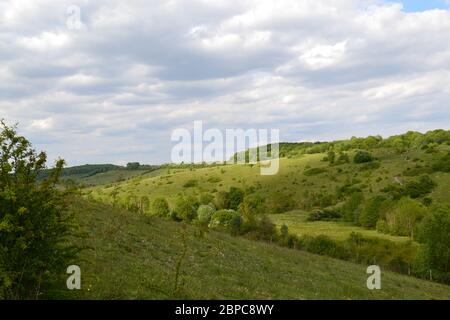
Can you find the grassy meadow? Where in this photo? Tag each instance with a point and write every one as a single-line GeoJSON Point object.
{"type": "Point", "coordinates": [133, 256]}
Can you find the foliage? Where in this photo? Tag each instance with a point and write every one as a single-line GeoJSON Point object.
{"type": "Point", "coordinates": [234, 198]}
{"type": "Point", "coordinates": [363, 157]}
{"type": "Point", "coordinates": [204, 214]}
{"type": "Point", "coordinates": [190, 183]}
{"type": "Point", "coordinates": [34, 223]}
{"type": "Point", "coordinates": [371, 212]}
{"type": "Point", "coordinates": [414, 188]}
{"type": "Point", "coordinates": [435, 234]}
{"type": "Point", "coordinates": [443, 164]}
{"type": "Point", "coordinates": [186, 207]}
{"type": "Point", "coordinates": [351, 207]}
{"type": "Point", "coordinates": [327, 214]}
{"type": "Point", "coordinates": [226, 219]}
{"type": "Point", "coordinates": [160, 207]}
{"type": "Point", "coordinates": [404, 218]}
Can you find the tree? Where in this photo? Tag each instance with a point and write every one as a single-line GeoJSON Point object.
{"type": "Point", "coordinates": [34, 220]}
{"type": "Point", "coordinates": [371, 212]}
{"type": "Point", "coordinates": [133, 165]}
{"type": "Point", "coordinates": [435, 234]}
{"type": "Point", "coordinates": [343, 158]}
{"type": "Point", "coordinates": [234, 198]}
{"type": "Point", "coordinates": [186, 208]}
{"type": "Point", "coordinates": [362, 157]}
{"type": "Point", "coordinates": [251, 205]}
{"type": "Point", "coordinates": [204, 214]}
{"type": "Point", "coordinates": [284, 235]}
{"type": "Point", "coordinates": [221, 200]}
{"type": "Point", "coordinates": [351, 207]}
{"type": "Point", "coordinates": [206, 198]}
{"type": "Point", "coordinates": [226, 219]}
{"type": "Point", "coordinates": [404, 218]}
{"type": "Point", "coordinates": [160, 207]}
{"type": "Point", "coordinates": [331, 156]}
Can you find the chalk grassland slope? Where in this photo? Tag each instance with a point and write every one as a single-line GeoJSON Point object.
{"type": "Point", "coordinates": [297, 223]}
{"type": "Point", "coordinates": [133, 256]}
{"type": "Point", "coordinates": [101, 174]}
{"type": "Point", "coordinates": [291, 181]}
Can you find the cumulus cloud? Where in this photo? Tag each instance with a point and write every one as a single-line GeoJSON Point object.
{"type": "Point", "coordinates": [112, 88]}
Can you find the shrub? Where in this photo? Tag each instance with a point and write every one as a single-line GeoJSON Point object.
{"type": "Point", "coordinates": [371, 212]}
{"type": "Point", "coordinates": [251, 205]}
{"type": "Point", "coordinates": [321, 244]}
{"type": "Point", "coordinates": [223, 219]}
{"type": "Point", "coordinates": [420, 187]}
{"type": "Point", "coordinates": [34, 220]}
{"type": "Point", "coordinates": [443, 164]}
{"type": "Point", "coordinates": [435, 234]}
{"type": "Point", "coordinates": [343, 158]}
{"type": "Point", "coordinates": [327, 214]}
{"type": "Point", "coordinates": [382, 226]}
{"type": "Point", "coordinates": [206, 198]}
{"type": "Point", "coordinates": [280, 202]}
{"type": "Point", "coordinates": [160, 207]}
{"type": "Point", "coordinates": [413, 188]}
{"type": "Point", "coordinates": [190, 183]}
{"type": "Point", "coordinates": [204, 214]}
{"type": "Point", "coordinates": [404, 218]}
{"type": "Point", "coordinates": [186, 208]}
{"type": "Point", "coordinates": [370, 166]}
{"type": "Point", "coordinates": [234, 198]}
{"type": "Point", "coordinates": [350, 209]}
{"type": "Point", "coordinates": [363, 157]}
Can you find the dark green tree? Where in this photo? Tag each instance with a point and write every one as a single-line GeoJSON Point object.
{"type": "Point", "coordinates": [160, 207]}
{"type": "Point", "coordinates": [34, 220]}
{"type": "Point", "coordinates": [435, 234]}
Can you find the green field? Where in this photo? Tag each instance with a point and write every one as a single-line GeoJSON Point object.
{"type": "Point", "coordinates": [296, 222]}
{"type": "Point", "coordinates": [134, 257]}
{"type": "Point", "coordinates": [290, 179]}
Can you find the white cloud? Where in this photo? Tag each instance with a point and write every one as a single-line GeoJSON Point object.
{"type": "Point", "coordinates": [324, 55]}
{"type": "Point", "coordinates": [316, 69]}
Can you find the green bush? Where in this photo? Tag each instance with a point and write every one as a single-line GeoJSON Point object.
{"type": "Point", "coordinates": [435, 234]}
{"type": "Point", "coordinates": [160, 207]}
{"type": "Point", "coordinates": [234, 198]}
{"type": "Point", "coordinates": [186, 208]}
{"type": "Point", "coordinates": [363, 157]}
{"type": "Point", "coordinates": [420, 187]}
{"type": "Point", "coordinates": [443, 164]}
{"type": "Point", "coordinates": [328, 214]}
{"type": "Point", "coordinates": [190, 184]}
{"type": "Point", "coordinates": [204, 214]}
{"type": "Point", "coordinates": [414, 188]}
{"type": "Point", "coordinates": [321, 244]}
{"type": "Point", "coordinates": [226, 219]}
{"type": "Point", "coordinates": [371, 212]}
{"type": "Point", "coordinates": [351, 208]}
{"type": "Point", "coordinates": [405, 217]}
{"type": "Point", "coordinates": [34, 220]}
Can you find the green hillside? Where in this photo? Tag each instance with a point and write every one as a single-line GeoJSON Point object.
{"type": "Point", "coordinates": [291, 184]}
{"type": "Point", "coordinates": [364, 200]}
{"type": "Point", "coordinates": [135, 257]}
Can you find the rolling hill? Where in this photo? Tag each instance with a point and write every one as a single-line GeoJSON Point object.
{"type": "Point", "coordinates": [134, 256]}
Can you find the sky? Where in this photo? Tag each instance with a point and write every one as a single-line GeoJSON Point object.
{"type": "Point", "coordinates": [113, 87]}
